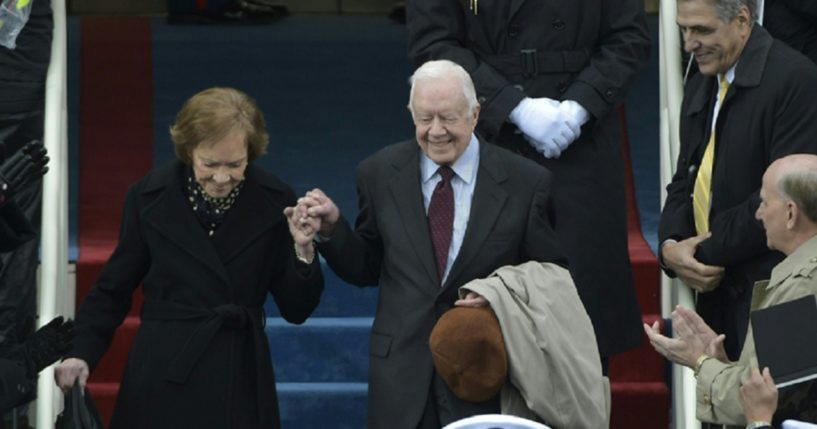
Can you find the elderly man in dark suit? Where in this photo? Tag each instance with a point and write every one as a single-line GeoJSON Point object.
{"type": "Point", "coordinates": [548, 75]}
{"type": "Point", "coordinates": [432, 218]}
{"type": "Point", "coordinates": [751, 103]}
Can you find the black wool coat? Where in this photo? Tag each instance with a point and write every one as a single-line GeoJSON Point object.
{"type": "Point", "coordinates": [200, 357]}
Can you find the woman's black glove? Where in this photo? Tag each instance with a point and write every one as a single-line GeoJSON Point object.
{"type": "Point", "coordinates": [25, 167]}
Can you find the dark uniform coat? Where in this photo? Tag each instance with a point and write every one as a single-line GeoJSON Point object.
{"type": "Point", "coordinates": [794, 22]}
{"type": "Point", "coordinates": [200, 357]}
{"type": "Point", "coordinates": [769, 112]}
{"type": "Point", "coordinates": [587, 51]}
{"type": "Point", "coordinates": [391, 246]}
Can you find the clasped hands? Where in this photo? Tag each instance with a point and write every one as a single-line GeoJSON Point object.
{"type": "Point", "coordinates": [693, 339]}
{"type": "Point", "coordinates": [316, 213]}
{"type": "Point", "coordinates": [548, 125]}
{"type": "Point", "coordinates": [679, 256]}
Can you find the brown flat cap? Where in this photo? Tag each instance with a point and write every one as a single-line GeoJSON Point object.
{"type": "Point", "coordinates": [469, 353]}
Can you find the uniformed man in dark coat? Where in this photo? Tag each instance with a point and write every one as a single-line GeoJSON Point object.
{"type": "Point", "coordinates": [548, 75]}
{"type": "Point", "coordinates": [20, 363]}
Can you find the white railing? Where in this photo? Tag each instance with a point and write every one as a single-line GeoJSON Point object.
{"type": "Point", "coordinates": [673, 292]}
{"type": "Point", "coordinates": [54, 299]}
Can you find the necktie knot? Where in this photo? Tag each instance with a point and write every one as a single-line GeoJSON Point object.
{"type": "Point", "coordinates": [446, 173]}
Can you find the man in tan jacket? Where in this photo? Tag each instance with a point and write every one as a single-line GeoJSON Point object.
{"type": "Point", "coordinates": [788, 210]}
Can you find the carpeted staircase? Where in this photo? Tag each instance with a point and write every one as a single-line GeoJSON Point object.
{"type": "Point", "coordinates": [136, 72]}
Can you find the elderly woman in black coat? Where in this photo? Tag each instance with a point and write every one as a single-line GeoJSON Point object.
{"type": "Point", "coordinates": [207, 236]}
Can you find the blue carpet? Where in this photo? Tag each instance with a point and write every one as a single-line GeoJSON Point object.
{"type": "Point", "coordinates": [333, 89]}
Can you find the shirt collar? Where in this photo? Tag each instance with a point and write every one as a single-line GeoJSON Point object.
{"type": "Point", "coordinates": [730, 74]}
{"type": "Point", "coordinates": [465, 166]}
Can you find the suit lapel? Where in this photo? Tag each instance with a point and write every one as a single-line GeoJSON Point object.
{"type": "Point", "coordinates": [489, 199]}
{"type": "Point", "coordinates": [407, 194]}
{"type": "Point", "coordinates": [171, 216]}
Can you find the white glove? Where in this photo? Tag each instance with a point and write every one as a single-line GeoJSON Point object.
{"type": "Point", "coordinates": [542, 122]}
{"type": "Point", "coordinates": [574, 114]}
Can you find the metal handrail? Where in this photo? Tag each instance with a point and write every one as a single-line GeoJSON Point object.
{"type": "Point", "coordinates": [54, 232]}
{"type": "Point", "coordinates": [673, 292]}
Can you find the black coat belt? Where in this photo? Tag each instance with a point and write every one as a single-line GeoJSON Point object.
{"type": "Point", "coordinates": [532, 62]}
{"type": "Point", "coordinates": [212, 319]}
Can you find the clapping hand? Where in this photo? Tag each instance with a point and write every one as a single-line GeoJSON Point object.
{"type": "Point", "coordinates": [692, 339]}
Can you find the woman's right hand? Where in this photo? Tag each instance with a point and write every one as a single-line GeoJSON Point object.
{"type": "Point", "coordinates": [67, 372]}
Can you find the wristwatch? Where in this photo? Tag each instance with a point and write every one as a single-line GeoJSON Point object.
{"type": "Point", "coordinates": [757, 424]}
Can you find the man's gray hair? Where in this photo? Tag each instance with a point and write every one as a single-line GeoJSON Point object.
{"type": "Point", "coordinates": [801, 188]}
{"type": "Point", "coordinates": [443, 68]}
{"type": "Point", "coordinates": [727, 10]}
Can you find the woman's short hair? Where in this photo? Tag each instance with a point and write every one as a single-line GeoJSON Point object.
{"type": "Point", "coordinates": [214, 114]}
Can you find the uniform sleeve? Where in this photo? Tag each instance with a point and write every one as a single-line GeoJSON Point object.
{"type": "Point", "coordinates": [15, 228]}
{"type": "Point", "coordinates": [718, 385]}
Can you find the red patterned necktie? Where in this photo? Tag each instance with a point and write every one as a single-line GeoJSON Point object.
{"type": "Point", "coordinates": [441, 218]}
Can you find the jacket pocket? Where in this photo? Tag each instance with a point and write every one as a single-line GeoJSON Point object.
{"type": "Point", "coordinates": [379, 344]}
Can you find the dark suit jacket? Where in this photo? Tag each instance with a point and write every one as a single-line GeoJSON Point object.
{"type": "Point", "coordinates": [588, 51]}
{"type": "Point", "coordinates": [769, 112]}
{"type": "Point", "coordinates": [391, 246]}
{"type": "Point", "coordinates": [200, 357]}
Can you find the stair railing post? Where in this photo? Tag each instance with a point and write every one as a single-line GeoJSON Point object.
{"type": "Point", "coordinates": [54, 230]}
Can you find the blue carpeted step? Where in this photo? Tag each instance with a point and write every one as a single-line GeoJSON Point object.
{"type": "Point", "coordinates": [322, 405]}
{"type": "Point", "coordinates": [339, 299]}
{"type": "Point", "coordinates": [322, 350]}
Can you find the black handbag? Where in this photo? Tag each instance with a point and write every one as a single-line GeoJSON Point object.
{"type": "Point", "coordinates": [80, 411]}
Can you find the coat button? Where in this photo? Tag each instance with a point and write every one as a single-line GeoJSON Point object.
{"type": "Point", "coordinates": [519, 87]}
{"type": "Point", "coordinates": [481, 99]}
{"type": "Point", "coordinates": [558, 24]}
{"type": "Point", "coordinates": [513, 30]}
{"type": "Point", "coordinates": [609, 93]}
{"type": "Point", "coordinates": [561, 87]}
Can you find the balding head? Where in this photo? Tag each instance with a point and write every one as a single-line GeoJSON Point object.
{"type": "Point", "coordinates": [788, 205]}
